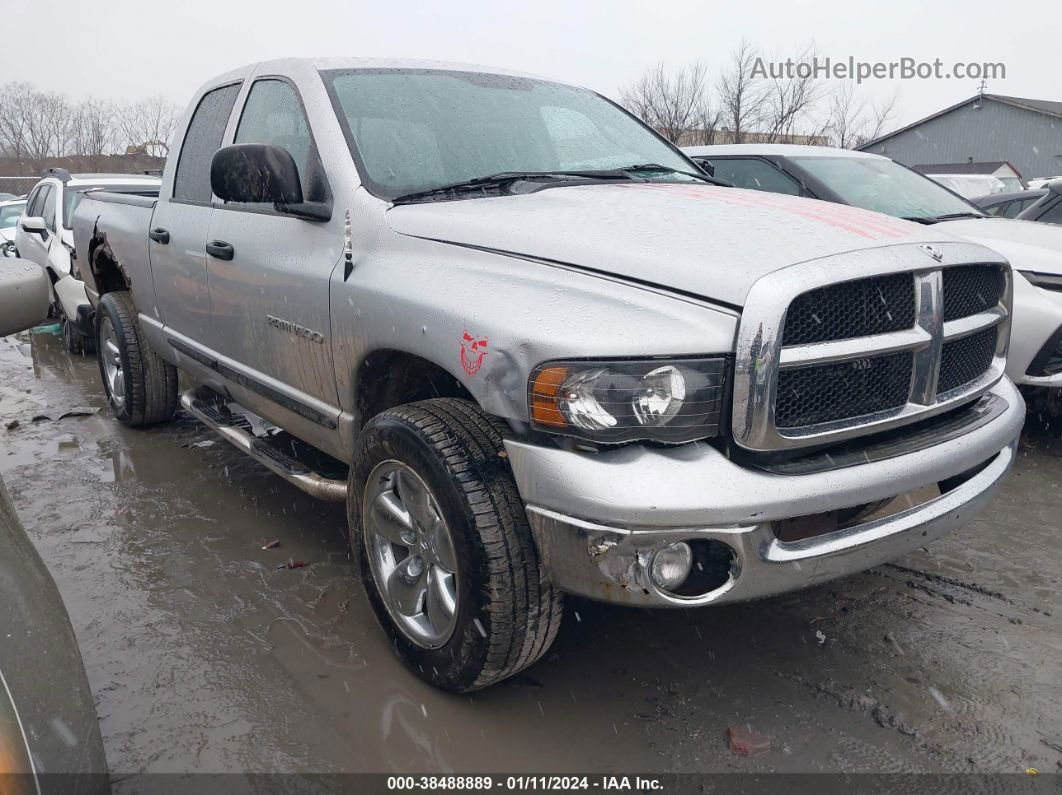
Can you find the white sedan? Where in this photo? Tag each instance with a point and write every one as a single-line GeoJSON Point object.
{"type": "Point", "coordinates": [877, 183]}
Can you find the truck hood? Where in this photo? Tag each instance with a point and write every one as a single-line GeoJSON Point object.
{"type": "Point", "coordinates": [710, 241]}
{"type": "Point", "coordinates": [1030, 246]}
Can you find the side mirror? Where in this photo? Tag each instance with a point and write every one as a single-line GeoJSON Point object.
{"type": "Point", "coordinates": [34, 224]}
{"type": "Point", "coordinates": [255, 173]}
{"type": "Point", "coordinates": [24, 295]}
{"type": "Point", "coordinates": [706, 165]}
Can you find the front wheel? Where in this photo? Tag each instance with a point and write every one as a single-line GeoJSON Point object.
{"type": "Point", "coordinates": [444, 546]}
{"type": "Point", "coordinates": [141, 386]}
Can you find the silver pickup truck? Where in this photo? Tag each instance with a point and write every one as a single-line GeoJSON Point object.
{"type": "Point", "coordinates": [537, 351]}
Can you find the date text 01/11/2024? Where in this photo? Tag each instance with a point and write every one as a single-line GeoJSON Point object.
{"type": "Point", "coordinates": [523, 783]}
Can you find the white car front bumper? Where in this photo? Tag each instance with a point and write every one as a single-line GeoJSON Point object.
{"type": "Point", "coordinates": [1036, 330]}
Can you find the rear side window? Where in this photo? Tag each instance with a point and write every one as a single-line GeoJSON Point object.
{"type": "Point", "coordinates": [1053, 215]}
{"type": "Point", "coordinates": [273, 115]}
{"type": "Point", "coordinates": [755, 175]}
{"type": "Point", "coordinates": [203, 139]}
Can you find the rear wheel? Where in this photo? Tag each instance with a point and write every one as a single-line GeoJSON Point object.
{"type": "Point", "coordinates": [141, 386]}
{"type": "Point", "coordinates": [444, 546]}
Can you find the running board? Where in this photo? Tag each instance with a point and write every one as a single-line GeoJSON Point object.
{"type": "Point", "coordinates": [203, 404]}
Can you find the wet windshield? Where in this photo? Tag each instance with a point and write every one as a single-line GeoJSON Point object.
{"type": "Point", "coordinates": [416, 130]}
{"type": "Point", "coordinates": [884, 186]}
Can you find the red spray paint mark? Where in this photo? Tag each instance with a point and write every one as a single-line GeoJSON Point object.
{"type": "Point", "coordinates": [473, 350]}
{"type": "Point", "coordinates": [855, 220]}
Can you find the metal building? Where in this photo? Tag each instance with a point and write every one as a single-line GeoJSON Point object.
{"type": "Point", "coordinates": [1026, 133]}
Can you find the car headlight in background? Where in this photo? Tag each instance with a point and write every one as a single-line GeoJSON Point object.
{"type": "Point", "coordinates": [1046, 281]}
{"type": "Point", "coordinates": [674, 401]}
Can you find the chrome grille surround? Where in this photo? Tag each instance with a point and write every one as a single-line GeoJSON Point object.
{"type": "Point", "coordinates": [760, 354]}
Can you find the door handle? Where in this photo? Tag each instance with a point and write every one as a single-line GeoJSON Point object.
{"type": "Point", "coordinates": [219, 249]}
{"type": "Point", "coordinates": [159, 235]}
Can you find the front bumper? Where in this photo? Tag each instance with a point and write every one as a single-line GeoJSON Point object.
{"type": "Point", "coordinates": [1035, 329]}
{"type": "Point", "coordinates": [598, 518]}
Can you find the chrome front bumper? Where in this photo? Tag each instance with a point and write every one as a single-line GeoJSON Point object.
{"type": "Point", "coordinates": [598, 518]}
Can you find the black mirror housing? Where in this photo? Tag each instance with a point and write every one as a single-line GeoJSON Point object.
{"type": "Point", "coordinates": [255, 173]}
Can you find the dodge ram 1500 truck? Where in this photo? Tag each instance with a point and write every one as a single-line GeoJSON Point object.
{"type": "Point", "coordinates": [537, 351]}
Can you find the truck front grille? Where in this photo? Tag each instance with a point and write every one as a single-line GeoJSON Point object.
{"type": "Point", "coordinates": [829, 392]}
{"type": "Point", "coordinates": [851, 309]}
{"type": "Point", "coordinates": [966, 359]}
{"type": "Point", "coordinates": [863, 354]}
{"type": "Point", "coordinates": [969, 289]}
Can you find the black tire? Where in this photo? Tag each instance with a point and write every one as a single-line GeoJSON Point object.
{"type": "Point", "coordinates": [73, 342]}
{"type": "Point", "coordinates": [508, 611]}
{"type": "Point", "coordinates": [150, 382]}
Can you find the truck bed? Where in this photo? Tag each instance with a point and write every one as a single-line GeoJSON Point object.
{"type": "Point", "coordinates": [115, 225]}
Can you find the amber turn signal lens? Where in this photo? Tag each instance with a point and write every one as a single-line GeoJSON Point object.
{"type": "Point", "coordinates": [544, 389]}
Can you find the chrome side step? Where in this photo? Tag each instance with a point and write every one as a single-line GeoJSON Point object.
{"type": "Point", "coordinates": [202, 404]}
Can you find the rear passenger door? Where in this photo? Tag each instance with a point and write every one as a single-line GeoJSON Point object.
{"type": "Point", "coordinates": [269, 274]}
{"type": "Point", "coordinates": [179, 226]}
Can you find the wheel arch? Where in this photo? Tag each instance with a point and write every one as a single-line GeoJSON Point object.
{"type": "Point", "coordinates": [390, 377]}
{"type": "Point", "coordinates": [107, 271]}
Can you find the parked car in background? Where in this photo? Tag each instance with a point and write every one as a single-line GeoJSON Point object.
{"type": "Point", "coordinates": [1008, 205]}
{"type": "Point", "coordinates": [878, 183]}
{"type": "Point", "coordinates": [970, 185]}
{"type": "Point", "coordinates": [9, 213]}
{"type": "Point", "coordinates": [49, 734]}
{"type": "Point", "coordinates": [559, 359]}
{"type": "Point", "coordinates": [1048, 210]}
{"type": "Point", "coordinates": [1041, 182]}
{"type": "Point", "coordinates": [43, 235]}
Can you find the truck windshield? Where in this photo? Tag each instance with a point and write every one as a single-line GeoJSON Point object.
{"type": "Point", "coordinates": [416, 130]}
{"type": "Point", "coordinates": [885, 187]}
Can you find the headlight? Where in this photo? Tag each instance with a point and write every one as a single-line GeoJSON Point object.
{"type": "Point", "coordinates": [672, 401]}
{"type": "Point", "coordinates": [1047, 281]}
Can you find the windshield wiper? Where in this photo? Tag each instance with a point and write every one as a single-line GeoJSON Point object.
{"type": "Point", "coordinates": [656, 168]}
{"type": "Point", "coordinates": [932, 219]}
{"type": "Point", "coordinates": [506, 178]}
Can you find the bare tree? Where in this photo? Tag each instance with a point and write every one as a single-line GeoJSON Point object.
{"type": "Point", "coordinates": [48, 127]}
{"type": "Point", "coordinates": [93, 128]}
{"type": "Point", "coordinates": [742, 96]}
{"type": "Point", "coordinates": [148, 122]}
{"type": "Point", "coordinates": [675, 103]}
{"type": "Point", "coordinates": [853, 120]}
{"type": "Point", "coordinates": [790, 100]}
{"type": "Point", "coordinates": [16, 103]}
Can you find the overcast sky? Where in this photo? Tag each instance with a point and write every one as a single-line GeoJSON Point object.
{"type": "Point", "coordinates": [120, 49]}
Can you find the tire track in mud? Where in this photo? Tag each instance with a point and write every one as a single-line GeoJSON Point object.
{"type": "Point", "coordinates": [954, 590]}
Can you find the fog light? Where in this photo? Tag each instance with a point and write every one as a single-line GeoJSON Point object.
{"type": "Point", "coordinates": [671, 565]}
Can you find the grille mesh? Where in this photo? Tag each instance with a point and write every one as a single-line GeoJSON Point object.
{"type": "Point", "coordinates": [969, 289]}
{"type": "Point", "coordinates": [965, 359]}
{"type": "Point", "coordinates": [851, 309]}
{"type": "Point", "coordinates": [825, 393]}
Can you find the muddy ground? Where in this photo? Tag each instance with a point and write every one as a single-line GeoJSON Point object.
{"type": "Point", "coordinates": [204, 655]}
